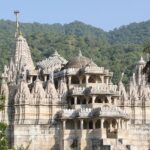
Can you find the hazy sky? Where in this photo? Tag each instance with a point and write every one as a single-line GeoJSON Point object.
{"type": "Point", "coordinates": [106, 14]}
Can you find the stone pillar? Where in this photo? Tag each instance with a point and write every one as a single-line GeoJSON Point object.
{"type": "Point", "coordinates": [75, 100]}
{"type": "Point", "coordinates": [31, 79]}
{"type": "Point", "coordinates": [102, 123]}
{"type": "Point", "coordinates": [119, 124]}
{"type": "Point", "coordinates": [45, 77]}
{"type": "Point", "coordinates": [64, 124]}
{"type": "Point", "coordinates": [94, 124]}
{"type": "Point", "coordinates": [69, 80]}
{"type": "Point", "coordinates": [81, 124]}
{"type": "Point", "coordinates": [126, 123]}
{"type": "Point", "coordinates": [93, 99]}
{"type": "Point", "coordinates": [86, 79]}
{"type": "Point", "coordinates": [109, 99]}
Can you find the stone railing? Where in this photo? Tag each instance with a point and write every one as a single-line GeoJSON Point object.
{"type": "Point", "coordinates": [98, 89]}
{"type": "Point", "coordinates": [113, 111]}
{"type": "Point", "coordinates": [94, 70]}
{"type": "Point", "coordinates": [72, 113]}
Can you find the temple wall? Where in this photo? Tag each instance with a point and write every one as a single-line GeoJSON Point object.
{"type": "Point", "coordinates": [41, 136]}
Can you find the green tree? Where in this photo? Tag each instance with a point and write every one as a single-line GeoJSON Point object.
{"type": "Point", "coordinates": [146, 69]}
{"type": "Point", "coordinates": [3, 126]}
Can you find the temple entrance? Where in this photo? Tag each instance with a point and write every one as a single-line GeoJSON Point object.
{"type": "Point", "coordinates": [111, 128]}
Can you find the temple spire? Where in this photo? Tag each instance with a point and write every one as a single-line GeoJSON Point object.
{"type": "Point", "coordinates": [16, 12]}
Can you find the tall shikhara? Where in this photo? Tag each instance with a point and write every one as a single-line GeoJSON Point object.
{"type": "Point", "coordinates": [59, 104]}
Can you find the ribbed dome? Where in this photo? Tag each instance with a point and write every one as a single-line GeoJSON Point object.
{"type": "Point", "coordinates": [79, 61]}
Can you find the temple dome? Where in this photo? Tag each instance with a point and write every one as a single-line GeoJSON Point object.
{"type": "Point", "coordinates": [79, 62]}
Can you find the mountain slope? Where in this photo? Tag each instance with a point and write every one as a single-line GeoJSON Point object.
{"type": "Point", "coordinates": [117, 50]}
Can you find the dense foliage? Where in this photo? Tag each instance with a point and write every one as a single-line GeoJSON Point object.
{"type": "Point", "coordinates": [3, 126]}
{"type": "Point", "coordinates": [117, 50]}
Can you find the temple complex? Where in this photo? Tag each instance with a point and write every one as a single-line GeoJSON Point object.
{"type": "Point", "coordinates": [59, 104]}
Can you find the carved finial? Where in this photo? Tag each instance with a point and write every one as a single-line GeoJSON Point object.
{"type": "Point", "coordinates": [16, 12]}
{"type": "Point", "coordinates": [80, 53]}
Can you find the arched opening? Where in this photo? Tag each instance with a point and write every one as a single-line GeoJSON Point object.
{"type": "Point", "coordinates": [83, 80]}
{"type": "Point", "coordinates": [78, 124]}
{"type": "Point", "coordinates": [90, 100]}
{"type": "Point", "coordinates": [83, 100]}
{"type": "Point", "coordinates": [106, 100]}
{"type": "Point", "coordinates": [106, 124]}
{"type": "Point", "coordinates": [99, 99]}
{"type": "Point", "coordinates": [92, 79]}
{"type": "Point", "coordinates": [114, 124]}
{"type": "Point", "coordinates": [34, 78]}
{"type": "Point", "coordinates": [75, 80]}
{"type": "Point", "coordinates": [98, 124]}
{"type": "Point", "coordinates": [90, 124]}
{"type": "Point", "coordinates": [70, 124]}
{"type": "Point", "coordinates": [72, 100]}
{"type": "Point", "coordinates": [78, 100]}
{"type": "Point", "coordinates": [99, 80]}
{"type": "Point", "coordinates": [85, 123]}
{"type": "Point", "coordinates": [112, 100]}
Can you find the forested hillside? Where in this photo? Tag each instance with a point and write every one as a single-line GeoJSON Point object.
{"type": "Point", "coordinates": [117, 50]}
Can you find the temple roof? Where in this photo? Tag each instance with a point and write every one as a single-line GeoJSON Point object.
{"type": "Point", "coordinates": [79, 62]}
{"type": "Point", "coordinates": [22, 53]}
{"type": "Point", "coordinates": [55, 61]}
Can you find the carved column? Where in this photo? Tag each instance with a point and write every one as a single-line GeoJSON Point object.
{"type": "Point", "coordinates": [93, 99]}
{"type": "Point", "coordinates": [81, 124]}
{"type": "Point", "coordinates": [45, 78]}
{"type": "Point", "coordinates": [86, 79]}
{"type": "Point", "coordinates": [102, 123]}
{"type": "Point", "coordinates": [94, 124]}
{"type": "Point", "coordinates": [69, 80]}
{"type": "Point", "coordinates": [31, 79]}
{"type": "Point", "coordinates": [64, 124]}
{"type": "Point", "coordinates": [75, 100]}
